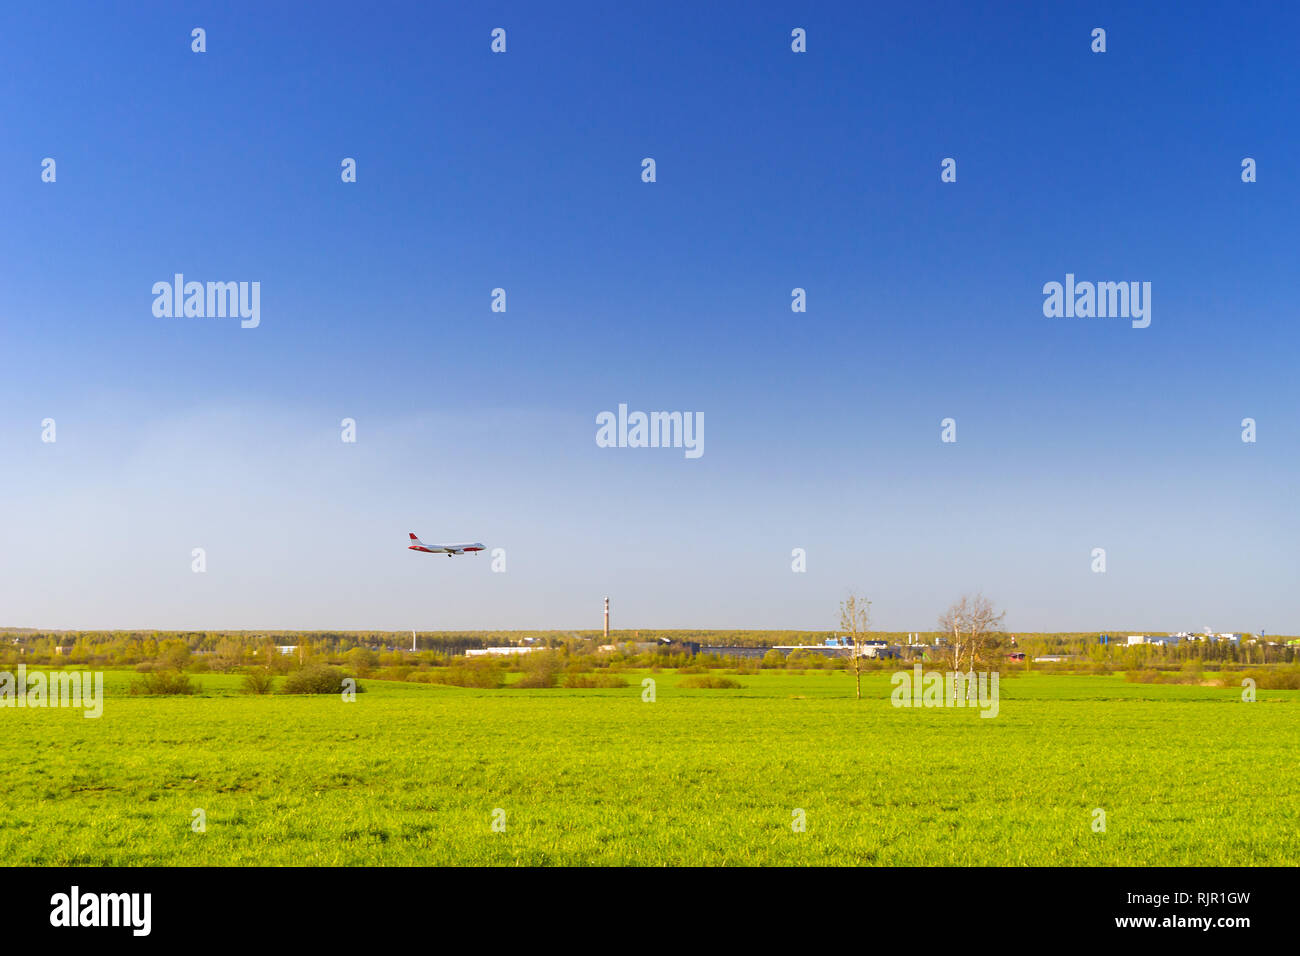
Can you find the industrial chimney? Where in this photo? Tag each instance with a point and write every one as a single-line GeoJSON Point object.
{"type": "Point", "coordinates": [606, 620]}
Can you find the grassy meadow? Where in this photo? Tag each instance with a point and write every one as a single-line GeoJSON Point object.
{"type": "Point", "coordinates": [411, 774]}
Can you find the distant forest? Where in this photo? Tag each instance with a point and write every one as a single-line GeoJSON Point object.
{"type": "Point", "coordinates": [130, 647]}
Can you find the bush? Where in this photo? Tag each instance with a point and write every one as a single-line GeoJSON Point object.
{"type": "Point", "coordinates": [472, 672]}
{"type": "Point", "coordinates": [317, 679]}
{"type": "Point", "coordinates": [539, 670]}
{"type": "Point", "coordinates": [595, 681]}
{"type": "Point", "coordinates": [1140, 677]}
{"type": "Point", "coordinates": [362, 660]}
{"type": "Point", "coordinates": [160, 682]}
{"type": "Point", "coordinates": [1282, 678]}
{"type": "Point", "coordinates": [258, 682]}
{"type": "Point", "coordinates": [710, 682]}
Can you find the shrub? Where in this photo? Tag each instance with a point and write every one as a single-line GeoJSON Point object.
{"type": "Point", "coordinates": [258, 681]}
{"type": "Point", "coordinates": [1282, 678]}
{"type": "Point", "coordinates": [539, 670]}
{"type": "Point", "coordinates": [173, 655]}
{"type": "Point", "coordinates": [160, 682]}
{"type": "Point", "coordinates": [317, 679]}
{"type": "Point", "coordinates": [362, 660]}
{"type": "Point", "coordinates": [595, 680]}
{"type": "Point", "coordinates": [710, 682]}
{"type": "Point", "coordinates": [471, 672]}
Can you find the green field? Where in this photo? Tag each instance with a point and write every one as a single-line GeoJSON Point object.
{"type": "Point", "coordinates": [410, 774]}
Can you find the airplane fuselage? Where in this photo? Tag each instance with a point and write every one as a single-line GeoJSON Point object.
{"type": "Point", "coordinates": [447, 549]}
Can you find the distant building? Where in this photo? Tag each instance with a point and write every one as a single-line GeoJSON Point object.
{"type": "Point", "coordinates": [832, 648]}
{"type": "Point", "coordinates": [286, 649]}
{"type": "Point", "coordinates": [725, 650]}
{"type": "Point", "coordinates": [878, 649]}
{"type": "Point", "coordinates": [821, 650]}
{"type": "Point", "coordinates": [501, 651]}
{"type": "Point", "coordinates": [1160, 640]}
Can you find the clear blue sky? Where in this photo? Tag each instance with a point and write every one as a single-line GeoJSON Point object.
{"type": "Point", "coordinates": [775, 170]}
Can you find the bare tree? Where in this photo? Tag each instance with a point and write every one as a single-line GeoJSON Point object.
{"type": "Point", "coordinates": [972, 624]}
{"type": "Point", "coordinates": [855, 621]}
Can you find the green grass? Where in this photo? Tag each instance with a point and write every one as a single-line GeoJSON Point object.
{"type": "Point", "coordinates": [409, 774]}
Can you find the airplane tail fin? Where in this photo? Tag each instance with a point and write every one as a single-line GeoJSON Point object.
{"type": "Point", "coordinates": [414, 539]}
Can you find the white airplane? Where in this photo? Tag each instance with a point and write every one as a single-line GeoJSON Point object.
{"type": "Point", "coordinates": [447, 549]}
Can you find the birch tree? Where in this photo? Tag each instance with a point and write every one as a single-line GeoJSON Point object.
{"type": "Point", "coordinates": [855, 622]}
{"type": "Point", "coordinates": [971, 624]}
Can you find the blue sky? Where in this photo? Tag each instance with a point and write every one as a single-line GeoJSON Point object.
{"type": "Point", "coordinates": [522, 170]}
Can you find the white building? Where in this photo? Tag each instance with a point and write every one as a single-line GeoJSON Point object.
{"type": "Point", "coordinates": [873, 649]}
{"type": "Point", "coordinates": [501, 651]}
{"type": "Point", "coordinates": [878, 649]}
{"type": "Point", "coordinates": [1161, 640]}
